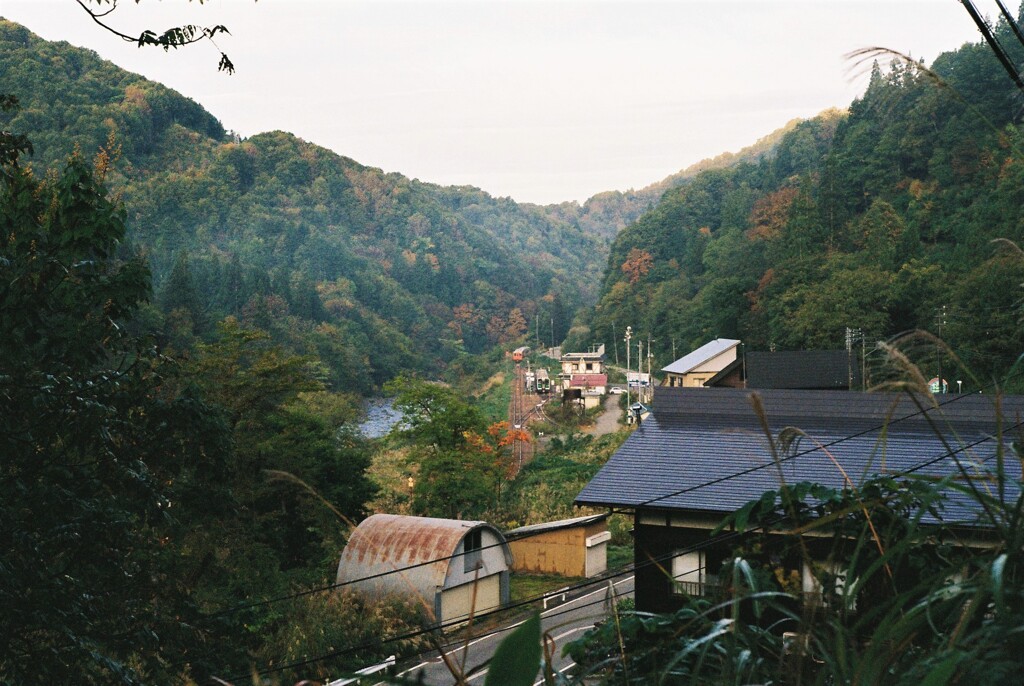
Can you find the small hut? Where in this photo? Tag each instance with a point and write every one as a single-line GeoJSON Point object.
{"type": "Point", "coordinates": [455, 567]}
{"type": "Point", "coordinates": [568, 547]}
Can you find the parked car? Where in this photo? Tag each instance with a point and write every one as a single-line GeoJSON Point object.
{"type": "Point", "coordinates": [616, 390]}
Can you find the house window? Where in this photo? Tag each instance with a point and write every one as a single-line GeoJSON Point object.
{"type": "Point", "coordinates": [689, 573]}
{"type": "Point", "coordinates": [472, 545]}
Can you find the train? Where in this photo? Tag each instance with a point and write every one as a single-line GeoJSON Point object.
{"type": "Point", "coordinates": [519, 353]}
{"type": "Point", "coordinates": [542, 382]}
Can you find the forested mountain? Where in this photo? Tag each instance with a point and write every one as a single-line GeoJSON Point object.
{"type": "Point", "coordinates": [607, 213]}
{"type": "Point", "coordinates": [881, 219]}
{"type": "Point", "coordinates": [339, 259]}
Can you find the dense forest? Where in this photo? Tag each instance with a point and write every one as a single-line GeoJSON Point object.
{"type": "Point", "coordinates": [371, 271]}
{"type": "Point", "coordinates": [189, 318]}
{"type": "Point", "coordinates": [880, 218]}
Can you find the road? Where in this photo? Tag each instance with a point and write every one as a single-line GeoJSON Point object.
{"type": "Point", "coordinates": [563, 623]}
{"type": "Point", "coordinates": [608, 421]}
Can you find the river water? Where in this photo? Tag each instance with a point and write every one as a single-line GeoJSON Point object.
{"type": "Point", "coordinates": [381, 416]}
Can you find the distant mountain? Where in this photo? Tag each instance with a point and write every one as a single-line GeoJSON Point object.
{"type": "Point", "coordinates": [276, 229]}
{"type": "Point", "coordinates": [607, 213]}
{"type": "Point", "coordinates": [890, 217]}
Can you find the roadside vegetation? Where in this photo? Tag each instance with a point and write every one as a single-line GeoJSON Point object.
{"type": "Point", "coordinates": [901, 598]}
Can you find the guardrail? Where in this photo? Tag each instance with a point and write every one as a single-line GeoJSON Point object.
{"type": "Point", "coordinates": [560, 594]}
{"type": "Point", "coordinates": [365, 672]}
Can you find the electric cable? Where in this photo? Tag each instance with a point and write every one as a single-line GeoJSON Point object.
{"type": "Point", "coordinates": [329, 587]}
{"type": "Point", "coordinates": [723, 538]}
{"type": "Point", "coordinates": [815, 448]}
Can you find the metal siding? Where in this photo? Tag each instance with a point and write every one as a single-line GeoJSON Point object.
{"type": "Point", "coordinates": [495, 557]}
{"type": "Point", "coordinates": [457, 602]}
{"type": "Point", "coordinates": [558, 552]}
{"type": "Point", "coordinates": [597, 560]}
{"type": "Point", "coordinates": [424, 550]}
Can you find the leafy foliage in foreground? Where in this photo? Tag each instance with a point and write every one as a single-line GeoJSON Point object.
{"type": "Point", "coordinates": [138, 516]}
{"type": "Point", "coordinates": [89, 590]}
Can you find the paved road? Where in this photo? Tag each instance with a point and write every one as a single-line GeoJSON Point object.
{"type": "Point", "coordinates": [608, 421]}
{"type": "Point", "coordinates": [564, 623]}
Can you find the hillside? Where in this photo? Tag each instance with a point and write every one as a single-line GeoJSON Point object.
{"type": "Point", "coordinates": [385, 272]}
{"type": "Point", "coordinates": [880, 219]}
{"type": "Point", "coordinates": [607, 213]}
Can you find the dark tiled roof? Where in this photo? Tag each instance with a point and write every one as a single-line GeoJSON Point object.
{"type": "Point", "coordinates": [685, 456]}
{"type": "Point", "coordinates": [807, 369]}
{"type": "Point", "coordinates": [733, 367]}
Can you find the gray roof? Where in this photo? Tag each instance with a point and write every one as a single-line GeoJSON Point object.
{"type": "Point", "coordinates": [807, 369]}
{"type": "Point", "coordinates": [703, 449]}
{"type": "Point", "coordinates": [546, 527]}
{"type": "Point", "coordinates": [700, 355]}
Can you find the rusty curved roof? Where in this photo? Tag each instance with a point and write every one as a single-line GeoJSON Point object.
{"type": "Point", "coordinates": [420, 546]}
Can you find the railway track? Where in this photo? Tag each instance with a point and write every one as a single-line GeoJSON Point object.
{"type": "Point", "coordinates": [520, 409]}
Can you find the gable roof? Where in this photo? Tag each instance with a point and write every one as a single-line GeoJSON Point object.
{"type": "Point", "coordinates": [548, 527]}
{"type": "Point", "coordinates": [703, 449]}
{"type": "Point", "coordinates": [807, 369]}
{"type": "Point", "coordinates": [700, 355]}
{"type": "Point", "coordinates": [588, 380]}
{"type": "Point", "coordinates": [733, 369]}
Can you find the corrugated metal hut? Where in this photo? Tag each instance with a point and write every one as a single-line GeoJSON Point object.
{"type": "Point", "coordinates": [569, 547]}
{"type": "Point", "coordinates": [438, 560]}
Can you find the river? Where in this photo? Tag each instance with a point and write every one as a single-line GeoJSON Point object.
{"type": "Point", "coordinates": [381, 416]}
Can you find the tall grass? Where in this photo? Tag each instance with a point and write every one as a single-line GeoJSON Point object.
{"type": "Point", "coordinates": [864, 584]}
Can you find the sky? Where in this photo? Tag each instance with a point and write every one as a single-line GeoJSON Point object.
{"type": "Point", "coordinates": [541, 101]}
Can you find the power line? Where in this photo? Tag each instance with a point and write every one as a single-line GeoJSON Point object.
{"type": "Point", "coordinates": [337, 585]}
{"type": "Point", "coordinates": [652, 561]}
{"type": "Point", "coordinates": [492, 613]}
{"type": "Point", "coordinates": [787, 458]}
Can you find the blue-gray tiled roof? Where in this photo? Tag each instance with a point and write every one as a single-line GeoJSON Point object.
{"type": "Point", "coordinates": [690, 453]}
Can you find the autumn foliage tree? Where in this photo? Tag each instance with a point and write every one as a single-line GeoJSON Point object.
{"type": "Point", "coordinates": [638, 263]}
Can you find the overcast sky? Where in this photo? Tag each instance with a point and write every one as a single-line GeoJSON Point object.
{"type": "Point", "coordinates": [541, 101]}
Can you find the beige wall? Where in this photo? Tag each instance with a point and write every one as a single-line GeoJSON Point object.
{"type": "Point", "coordinates": [459, 601]}
{"type": "Point", "coordinates": [562, 552]}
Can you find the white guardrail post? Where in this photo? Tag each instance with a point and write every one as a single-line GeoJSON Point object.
{"type": "Point", "coordinates": [365, 672]}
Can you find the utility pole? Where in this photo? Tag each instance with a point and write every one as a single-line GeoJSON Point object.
{"type": "Point", "coordinates": [863, 362]}
{"type": "Point", "coordinates": [852, 335]}
{"type": "Point", "coordinates": [650, 377]}
{"type": "Point", "coordinates": [629, 335]}
{"type": "Point", "coordinates": [849, 362]}
{"type": "Point", "coordinates": [615, 342]}
{"type": "Point", "coordinates": [639, 370]}
{"type": "Point", "coordinates": [938, 348]}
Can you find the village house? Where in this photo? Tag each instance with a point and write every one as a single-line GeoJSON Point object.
{"type": "Point", "coordinates": [584, 377]}
{"type": "Point", "coordinates": [703, 454]}
{"type": "Point", "coordinates": [795, 369]}
{"type": "Point", "coordinates": [697, 367]}
{"type": "Point", "coordinates": [450, 566]}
